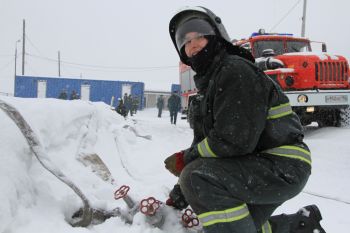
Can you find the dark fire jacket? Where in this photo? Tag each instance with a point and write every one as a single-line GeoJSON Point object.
{"type": "Point", "coordinates": [241, 112]}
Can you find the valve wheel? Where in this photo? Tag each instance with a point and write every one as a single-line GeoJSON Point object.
{"type": "Point", "coordinates": [189, 219]}
{"type": "Point", "coordinates": [121, 192]}
{"type": "Point", "coordinates": [149, 206]}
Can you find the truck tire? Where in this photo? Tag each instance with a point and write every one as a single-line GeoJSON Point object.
{"type": "Point", "coordinates": [329, 118]}
{"type": "Point", "coordinates": [345, 117]}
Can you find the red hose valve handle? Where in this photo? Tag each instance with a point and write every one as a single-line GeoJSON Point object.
{"type": "Point", "coordinates": [121, 192]}
{"type": "Point", "coordinates": [149, 206]}
{"type": "Point", "coordinates": [189, 219]}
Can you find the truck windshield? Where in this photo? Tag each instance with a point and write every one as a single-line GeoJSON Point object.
{"type": "Point", "coordinates": [278, 47]}
{"type": "Point", "coordinates": [260, 46]}
{"type": "Point", "coordinates": [298, 46]}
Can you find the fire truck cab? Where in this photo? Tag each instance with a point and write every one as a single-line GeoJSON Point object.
{"type": "Point", "coordinates": [316, 83]}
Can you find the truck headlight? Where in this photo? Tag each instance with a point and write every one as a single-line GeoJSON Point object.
{"type": "Point", "coordinates": [302, 99]}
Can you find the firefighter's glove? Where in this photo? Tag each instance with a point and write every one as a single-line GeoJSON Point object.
{"type": "Point", "coordinates": [175, 163]}
{"type": "Point", "coordinates": [176, 198]}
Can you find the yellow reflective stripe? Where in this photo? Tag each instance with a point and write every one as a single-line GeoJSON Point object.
{"type": "Point", "coordinates": [229, 215]}
{"type": "Point", "coordinates": [266, 228]}
{"type": "Point", "coordinates": [280, 111]}
{"type": "Point", "coordinates": [293, 152]}
{"type": "Point", "coordinates": [204, 149]}
{"type": "Point", "coordinates": [280, 106]}
{"type": "Point", "coordinates": [297, 148]}
{"type": "Point", "coordinates": [280, 115]}
{"type": "Point", "coordinates": [200, 149]}
{"type": "Point", "coordinates": [208, 148]}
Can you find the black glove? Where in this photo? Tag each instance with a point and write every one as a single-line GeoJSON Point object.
{"type": "Point", "coordinates": [176, 198]}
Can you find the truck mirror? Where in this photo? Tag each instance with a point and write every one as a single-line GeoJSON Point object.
{"type": "Point", "coordinates": [324, 47]}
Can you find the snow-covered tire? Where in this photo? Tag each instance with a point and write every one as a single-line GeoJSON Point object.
{"type": "Point", "coordinates": [345, 117]}
{"type": "Point", "coordinates": [329, 118]}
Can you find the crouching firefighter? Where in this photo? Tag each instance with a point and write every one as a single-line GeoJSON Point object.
{"type": "Point", "coordinates": [248, 154]}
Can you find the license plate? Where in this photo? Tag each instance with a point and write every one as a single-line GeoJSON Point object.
{"type": "Point", "coordinates": [336, 99]}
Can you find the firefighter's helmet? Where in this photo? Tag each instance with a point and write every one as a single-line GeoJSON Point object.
{"type": "Point", "coordinates": [205, 22]}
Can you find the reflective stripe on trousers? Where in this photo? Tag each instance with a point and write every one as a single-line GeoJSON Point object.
{"type": "Point", "coordinates": [224, 216]}
{"type": "Point", "coordinates": [293, 152]}
{"type": "Point", "coordinates": [266, 228]}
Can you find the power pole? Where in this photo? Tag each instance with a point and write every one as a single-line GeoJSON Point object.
{"type": "Point", "coordinates": [303, 20]}
{"type": "Point", "coordinates": [59, 64]}
{"type": "Point", "coordinates": [23, 45]}
{"type": "Point", "coordinates": [16, 60]}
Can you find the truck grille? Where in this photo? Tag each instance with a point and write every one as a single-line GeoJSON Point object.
{"type": "Point", "coordinates": [331, 71]}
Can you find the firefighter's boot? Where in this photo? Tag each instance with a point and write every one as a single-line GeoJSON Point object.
{"type": "Point", "coordinates": [307, 220]}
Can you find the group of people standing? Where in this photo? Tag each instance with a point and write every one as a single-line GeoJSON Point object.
{"type": "Point", "coordinates": [174, 106]}
{"type": "Point", "coordinates": [129, 104]}
{"type": "Point", "coordinates": [64, 95]}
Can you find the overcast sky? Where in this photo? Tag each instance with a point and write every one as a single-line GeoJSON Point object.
{"type": "Point", "coordinates": [129, 40]}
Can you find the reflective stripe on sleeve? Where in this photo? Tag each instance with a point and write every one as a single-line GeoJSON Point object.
{"type": "Point", "coordinates": [293, 152]}
{"type": "Point", "coordinates": [280, 111]}
{"type": "Point", "coordinates": [229, 215]}
{"type": "Point", "coordinates": [204, 149]}
{"type": "Point", "coordinates": [266, 228]}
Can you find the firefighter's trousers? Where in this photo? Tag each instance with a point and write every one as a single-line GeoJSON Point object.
{"type": "Point", "coordinates": [238, 195]}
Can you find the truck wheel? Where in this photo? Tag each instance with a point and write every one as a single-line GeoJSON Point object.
{"type": "Point", "coordinates": [345, 117]}
{"type": "Point", "coordinates": [329, 118]}
{"type": "Point", "coordinates": [305, 122]}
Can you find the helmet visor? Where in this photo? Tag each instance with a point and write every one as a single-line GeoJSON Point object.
{"type": "Point", "coordinates": [192, 29]}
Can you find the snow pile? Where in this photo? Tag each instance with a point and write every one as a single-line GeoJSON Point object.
{"type": "Point", "coordinates": [68, 130]}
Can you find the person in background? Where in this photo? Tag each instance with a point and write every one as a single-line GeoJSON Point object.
{"type": "Point", "coordinates": [63, 95]}
{"type": "Point", "coordinates": [248, 156]}
{"type": "Point", "coordinates": [74, 95]}
{"type": "Point", "coordinates": [135, 104]}
{"type": "Point", "coordinates": [121, 108]}
{"type": "Point", "coordinates": [160, 105]}
{"type": "Point", "coordinates": [125, 97]}
{"type": "Point", "coordinates": [174, 105]}
{"type": "Point", "coordinates": [128, 105]}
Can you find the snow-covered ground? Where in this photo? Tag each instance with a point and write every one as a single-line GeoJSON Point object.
{"type": "Point", "coordinates": [33, 200]}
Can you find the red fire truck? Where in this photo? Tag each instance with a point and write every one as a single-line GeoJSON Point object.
{"type": "Point", "coordinates": [316, 83]}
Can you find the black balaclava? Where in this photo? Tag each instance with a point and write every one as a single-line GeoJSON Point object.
{"type": "Point", "coordinates": [203, 59]}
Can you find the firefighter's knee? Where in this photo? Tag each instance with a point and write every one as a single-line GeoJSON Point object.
{"type": "Point", "coordinates": [188, 181]}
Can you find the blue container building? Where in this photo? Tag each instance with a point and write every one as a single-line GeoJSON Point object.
{"type": "Point", "coordinates": [91, 90]}
{"type": "Point", "coordinates": [176, 87]}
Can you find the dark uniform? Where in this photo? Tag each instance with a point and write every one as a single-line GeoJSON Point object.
{"type": "Point", "coordinates": [248, 155]}
{"type": "Point", "coordinates": [253, 165]}
{"type": "Point", "coordinates": [160, 105]}
{"type": "Point", "coordinates": [174, 105]}
{"type": "Point", "coordinates": [63, 95]}
{"type": "Point", "coordinates": [121, 109]}
{"type": "Point", "coordinates": [135, 104]}
{"type": "Point", "coordinates": [74, 95]}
